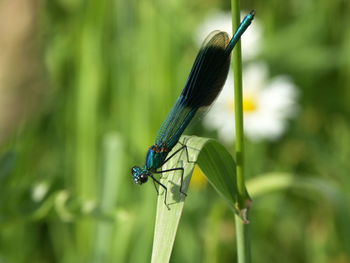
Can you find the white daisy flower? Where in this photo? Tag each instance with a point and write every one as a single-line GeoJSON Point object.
{"type": "Point", "coordinates": [251, 39]}
{"type": "Point", "coordinates": [267, 105]}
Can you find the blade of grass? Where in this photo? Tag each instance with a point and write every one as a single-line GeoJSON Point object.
{"type": "Point", "coordinates": [112, 172]}
{"type": "Point", "coordinates": [218, 166]}
{"type": "Point", "coordinates": [88, 90]}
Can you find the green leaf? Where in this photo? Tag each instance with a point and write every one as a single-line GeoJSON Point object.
{"type": "Point", "coordinates": [312, 188]}
{"type": "Point", "coordinates": [219, 167]}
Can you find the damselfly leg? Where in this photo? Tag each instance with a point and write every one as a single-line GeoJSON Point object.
{"type": "Point", "coordinates": [183, 147]}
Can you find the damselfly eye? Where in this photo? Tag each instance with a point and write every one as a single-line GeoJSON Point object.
{"type": "Point", "coordinates": [143, 178]}
{"type": "Point", "coordinates": [135, 170]}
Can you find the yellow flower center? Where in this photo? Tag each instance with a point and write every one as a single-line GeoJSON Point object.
{"type": "Point", "coordinates": [249, 104]}
{"type": "Point", "coordinates": [198, 180]}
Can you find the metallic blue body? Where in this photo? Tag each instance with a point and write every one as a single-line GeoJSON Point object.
{"type": "Point", "coordinates": [205, 81]}
{"type": "Point", "coordinates": [155, 159]}
{"type": "Point", "coordinates": [240, 30]}
{"type": "Point", "coordinates": [175, 124]}
{"type": "Point", "coordinates": [169, 134]}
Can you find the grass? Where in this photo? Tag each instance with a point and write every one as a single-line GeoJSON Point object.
{"type": "Point", "coordinates": [114, 69]}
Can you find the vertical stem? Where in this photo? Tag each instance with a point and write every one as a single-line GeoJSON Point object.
{"type": "Point", "coordinates": [243, 241]}
{"type": "Point", "coordinates": [238, 102]}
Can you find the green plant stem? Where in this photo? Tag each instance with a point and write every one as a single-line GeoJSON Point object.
{"type": "Point", "coordinates": [243, 241]}
{"type": "Point", "coordinates": [238, 102]}
{"type": "Point", "coordinates": [242, 229]}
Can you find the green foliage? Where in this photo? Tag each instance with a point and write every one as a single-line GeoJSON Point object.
{"type": "Point", "coordinates": [114, 69]}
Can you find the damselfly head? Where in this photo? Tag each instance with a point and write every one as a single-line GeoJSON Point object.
{"type": "Point", "coordinates": [140, 175]}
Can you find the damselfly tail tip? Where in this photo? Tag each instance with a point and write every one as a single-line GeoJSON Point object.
{"type": "Point", "coordinates": [252, 12]}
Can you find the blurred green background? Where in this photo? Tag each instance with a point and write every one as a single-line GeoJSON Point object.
{"type": "Point", "coordinates": [84, 88]}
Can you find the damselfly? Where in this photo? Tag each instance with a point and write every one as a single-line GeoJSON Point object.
{"type": "Point", "coordinates": [206, 79]}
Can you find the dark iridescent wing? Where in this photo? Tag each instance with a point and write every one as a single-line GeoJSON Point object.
{"type": "Point", "coordinates": [206, 79]}
{"type": "Point", "coordinates": [209, 72]}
